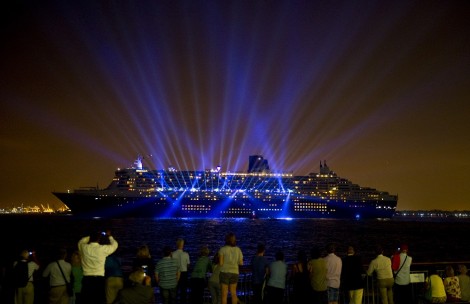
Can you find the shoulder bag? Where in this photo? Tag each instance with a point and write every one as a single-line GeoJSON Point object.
{"type": "Point", "coordinates": [67, 283]}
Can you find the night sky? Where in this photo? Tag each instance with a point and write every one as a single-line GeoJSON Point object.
{"type": "Point", "coordinates": [381, 91]}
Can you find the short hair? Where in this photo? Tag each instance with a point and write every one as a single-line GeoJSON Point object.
{"type": "Point", "coordinates": [166, 251]}
{"type": "Point", "coordinates": [230, 239]}
{"type": "Point", "coordinates": [137, 276]}
{"type": "Point", "coordinates": [179, 242]}
{"type": "Point", "coordinates": [462, 269]}
{"type": "Point", "coordinates": [331, 248]}
{"type": "Point", "coordinates": [315, 252]}
{"type": "Point", "coordinates": [204, 251]}
{"type": "Point", "coordinates": [143, 252]}
{"type": "Point", "coordinates": [449, 271]}
{"type": "Point", "coordinates": [261, 248]}
{"type": "Point", "coordinates": [279, 255]}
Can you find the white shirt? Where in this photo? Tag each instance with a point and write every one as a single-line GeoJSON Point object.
{"type": "Point", "coordinates": [94, 255]}
{"type": "Point", "coordinates": [55, 276]}
{"type": "Point", "coordinates": [182, 257]}
{"type": "Point", "coordinates": [382, 265]}
{"type": "Point", "coordinates": [403, 276]}
{"type": "Point", "coordinates": [333, 273]}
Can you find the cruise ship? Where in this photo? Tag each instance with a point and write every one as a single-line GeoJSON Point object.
{"type": "Point", "coordinates": [257, 193]}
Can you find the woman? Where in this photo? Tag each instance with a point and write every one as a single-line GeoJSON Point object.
{"type": "Point", "coordinates": [214, 280]}
{"type": "Point", "coordinates": [276, 284]}
{"type": "Point", "coordinates": [435, 291]}
{"type": "Point", "coordinates": [452, 286]}
{"type": "Point", "coordinates": [230, 258]}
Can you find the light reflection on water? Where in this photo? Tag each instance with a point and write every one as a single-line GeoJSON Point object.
{"type": "Point", "coordinates": [428, 241]}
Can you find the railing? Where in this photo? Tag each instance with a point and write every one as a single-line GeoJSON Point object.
{"type": "Point", "coordinates": [370, 295]}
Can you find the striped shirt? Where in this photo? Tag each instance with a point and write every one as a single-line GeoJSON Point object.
{"type": "Point", "coordinates": [166, 271]}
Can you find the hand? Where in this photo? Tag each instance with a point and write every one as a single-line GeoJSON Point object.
{"type": "Point", "coordinates": [147, 281]}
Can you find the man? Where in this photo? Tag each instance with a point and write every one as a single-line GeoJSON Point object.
{"type": "Point", "coordinates": [333, 274]}
{"type": "Point", "coordinates": [382, 266]}
{"type": "Point", "coordinates": [59, 272]}
{"type": "Point", "coordinates": [317, 270]}
{"type": "Point", "coordinates": [351, 276]}
{"type": "Point", "coordinates": [167, 274]}
{"type": "Point", "coordinates": [182, 257]}
{"type": "Point", "coordinates": [24, 294]}
{"type": "Point", "coordinates": [93, 255]}
{"type": "Point", "coordinates": [402, 288]}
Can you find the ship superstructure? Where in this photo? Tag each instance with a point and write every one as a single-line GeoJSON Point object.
{"type": "Point", "coordinates": [258, 193]}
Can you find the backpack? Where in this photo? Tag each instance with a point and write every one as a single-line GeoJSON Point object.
{"type": "Point", "coordinates": [20, 274]}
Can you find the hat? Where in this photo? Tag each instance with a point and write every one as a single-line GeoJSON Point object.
{"type": "Point", "coordinates": [404, 247]}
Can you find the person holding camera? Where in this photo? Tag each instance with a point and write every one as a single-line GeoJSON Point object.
{"type": "Point", "coordinates": [94, 249]}
{"type": "Point", "coordinates": [139, 292]}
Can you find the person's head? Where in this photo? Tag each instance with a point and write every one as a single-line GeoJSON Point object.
{"type": "Point", "coordinates": [432, 270]}
{"type": "Point", "coordinates": [404, 248]}
{"type": "Point", "coordinates": [302, 256]}
{"type": "Point", "coordinates": [260, 249]}
{"type": "Point", "coordinates": [61, 254]}
{"type": "Point", "coordinates": [166, 251]}
{"type": "Point", "coordinates": [230, 239]}
{"type": "Point", "coordinates": [331, 248]}
{"type": "Point", "coordinates": [279, 256]}
{"type": "Point", "coordinates": [351, 250]}
{"type": "Point", "coordinates": [137, 276]}
{"type": "Point", "coordinates": [179, 243]}
{"type": "Point", "coordinates": [24, 254]}
{"type": "Point", "coordinates": [379, 250]}
{"type": "Point", "coordinates": [462, 269]}
{"type": "Point", "coordinates": [96, 237]}
{"type": "Point", "coordinates": [75, 259]}
{"type": "Point", "coordinates": [216, 259]}
{"type": "Point", "coordinates": [315, 252]}
{"type": "Point", "coordinates": [204, 251]}
{"type": "Point", "coordinates": [143, 252]}
{"type": "Point", "coordinates": [449, 271]}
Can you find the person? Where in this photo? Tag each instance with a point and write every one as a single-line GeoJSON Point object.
{"type": "Point", "coordinates": [402, 288]}
{"type": "Point", "coordinates": [276, 284]}
{"type": "Point", "coordinates": [183, 259]}
{"type": "Point", "coordinates": [199, 276]}
{"type": "Point", "coordinates": [435, 285]}
{"type": "Point", "coordinates": [231, 258]}
{"type": "Point", "coordinates": [333, 274]}
{"type": "Point", "coordinates": [300, 279]}
{"type": "Point", "coordinates": [452, 286]}
{"type": "Point", "coordinates": [214, 284]}
{"type": "Point", "coordinates": [144, 260]}
{"type": "Point", "coordinates": [351, 276]}
{"type": "Point", "coordinates": [382, 266]}
{"type": "Point", "coordinates": [77, 275]}
{"type": "Point", "coordinates": [167, 274]}
{"type": "Point", "coordinates": [139, 291]}
{"type": "Point", "coordinates": [25, 294]}
{"type": "Point", "coordinates": [259, 267]}
{"type": "Point", "coordinates": [93, 256]}
{"type": "Point", "coordinates": [317, 271]}
{"type": "Point", "coordinates": [59, 274]}
{"type": "Point", "coordinates": [464, 282]}
{"type": "Point", "coordinates": [114, 277]}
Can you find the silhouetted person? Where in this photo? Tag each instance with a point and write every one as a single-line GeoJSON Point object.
{"type": "Point", "coordinates": [93, 256]}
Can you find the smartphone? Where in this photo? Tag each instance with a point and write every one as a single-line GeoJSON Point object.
{"type": "Point", "coordinates": [144, 267]}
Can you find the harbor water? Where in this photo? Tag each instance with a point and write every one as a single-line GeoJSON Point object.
{"type": "Point", "coordinates": [429, 240]}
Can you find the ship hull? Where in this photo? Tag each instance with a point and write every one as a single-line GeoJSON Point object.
{"type": "Point", "coordinates": [96, 204]}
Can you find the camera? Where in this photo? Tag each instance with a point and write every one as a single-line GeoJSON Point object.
{"type": "Point", "coordinates": [144, 268]}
